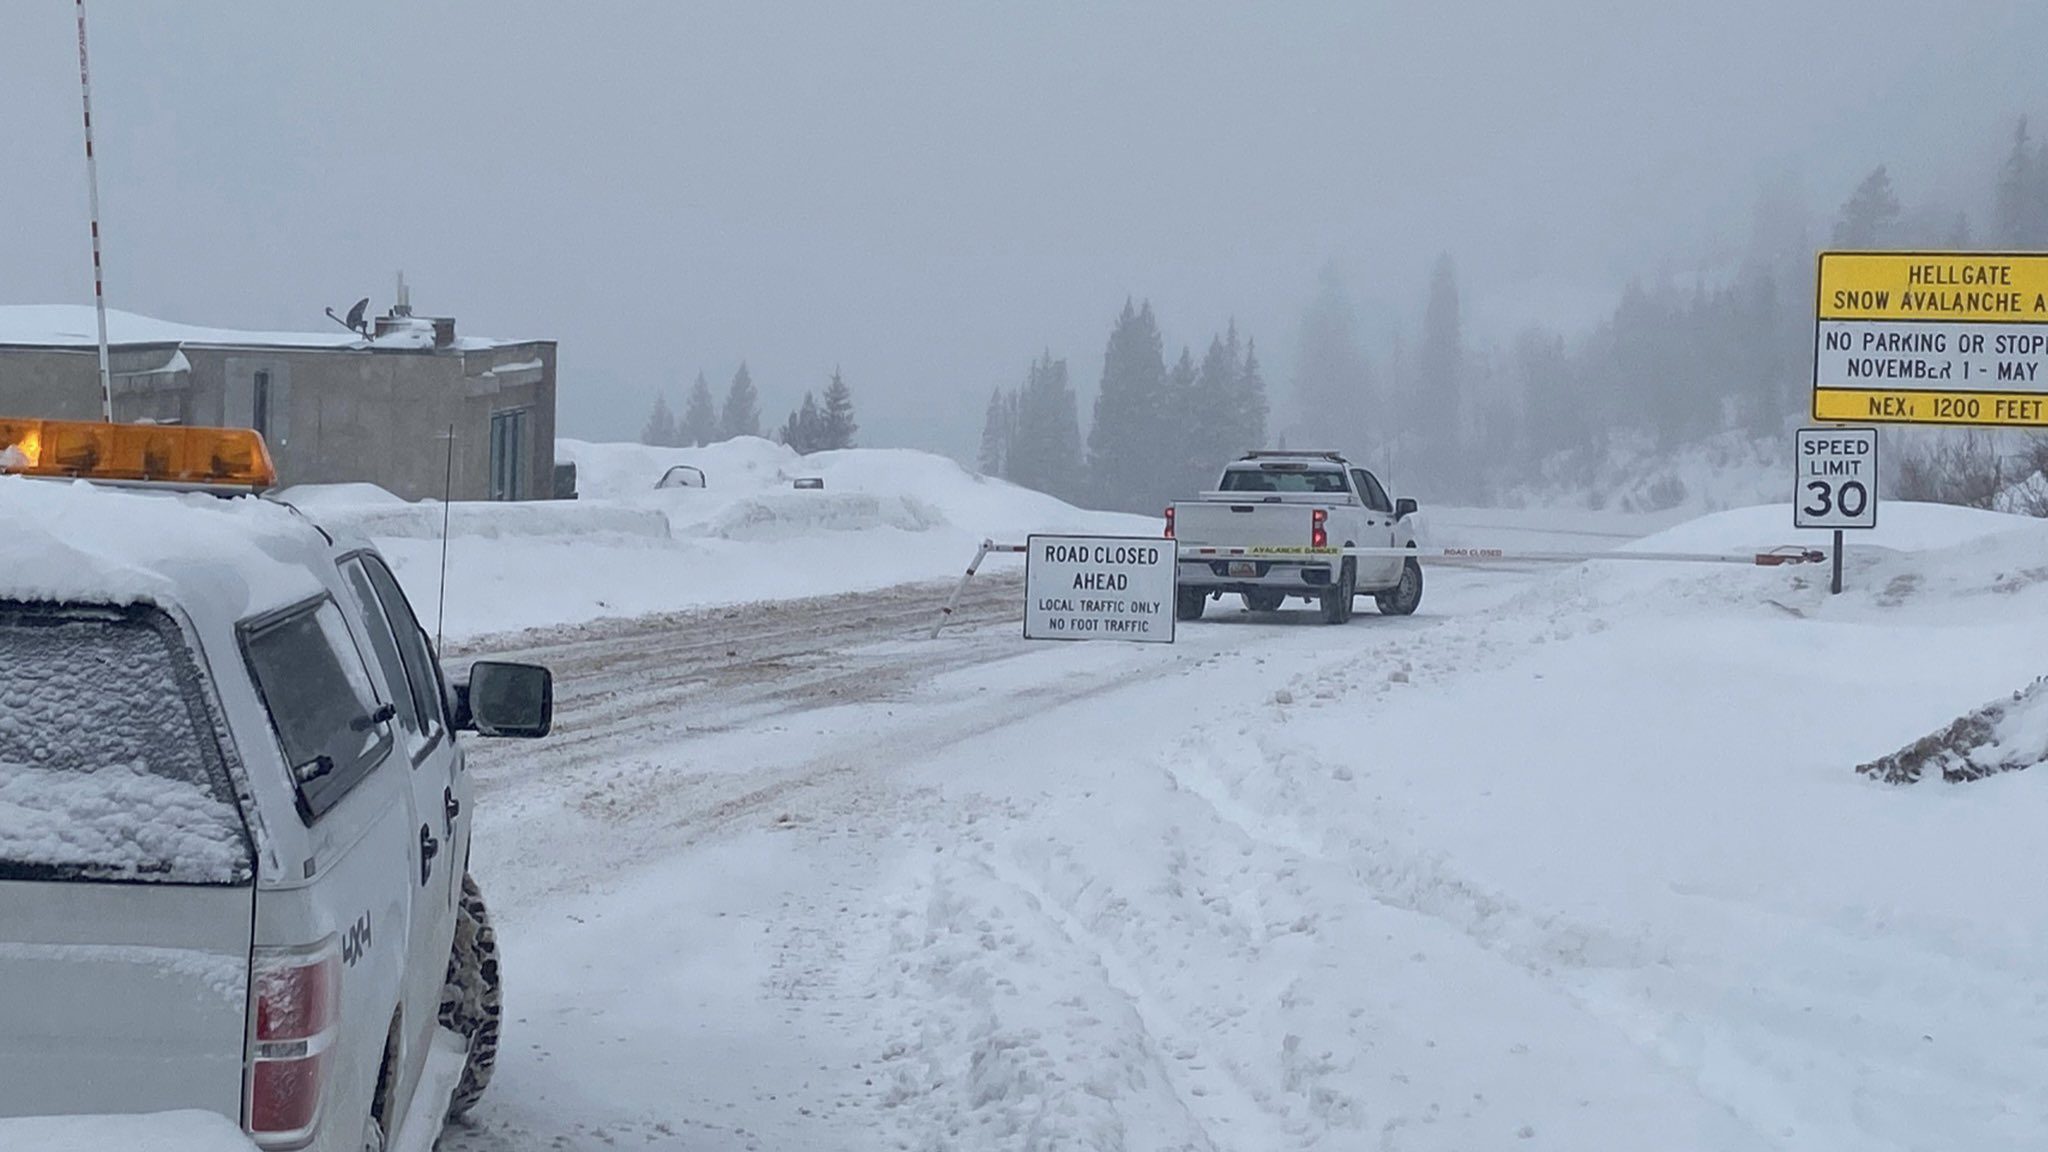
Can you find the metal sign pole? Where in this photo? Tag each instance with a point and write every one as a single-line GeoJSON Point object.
{"type": "Point", "coordinates": [92, 181]}
{"type": "Point", "coordinates": [1836, 588]}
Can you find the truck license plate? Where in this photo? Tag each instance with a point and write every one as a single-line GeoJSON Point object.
{"type": "Point", "coordinates": [1243, 569]}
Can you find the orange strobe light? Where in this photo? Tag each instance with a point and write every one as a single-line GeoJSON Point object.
{"type": "Point", "coordinates": [152, 453]}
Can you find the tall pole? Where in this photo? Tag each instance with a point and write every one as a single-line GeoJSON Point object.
{"type": "Point", "coordinates": [92, 181]}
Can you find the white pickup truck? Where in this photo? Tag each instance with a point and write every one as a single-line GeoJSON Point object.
{"type": "Point", "coordinates": [1309, 503]}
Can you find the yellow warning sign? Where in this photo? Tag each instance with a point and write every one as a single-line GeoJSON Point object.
{"type": "Point", "coordinates": [1932, 338]}
{"type": "Point", "coordinates": [1933, 286]}
{"type": "Point", "coordinates": [1851, 405]}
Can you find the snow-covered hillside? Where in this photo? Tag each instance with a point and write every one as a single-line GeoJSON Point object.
{"type": "Point", "coordinates": [625, 548]}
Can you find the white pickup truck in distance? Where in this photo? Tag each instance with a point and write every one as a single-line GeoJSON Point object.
{"type": "Point", "coordinates": [1307, 502]}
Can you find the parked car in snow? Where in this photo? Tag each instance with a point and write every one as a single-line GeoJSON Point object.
{"type": "Point", "coordinates": [234, 812]}
{"type": "Point", "coordinates": [682, 476]}
{"type": "Point", "coordinates": [1295, 506]}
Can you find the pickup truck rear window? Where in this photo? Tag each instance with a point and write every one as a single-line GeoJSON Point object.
{"type": "Point", "coordinates": [110, 761]}
{"type": "Point", "coordinates": [317, 689]}
{"type": "Point", "coordinates": [1324, 481]}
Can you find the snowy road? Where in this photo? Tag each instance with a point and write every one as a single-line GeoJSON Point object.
{"type": "Point", "coordinates": [1537, 868]}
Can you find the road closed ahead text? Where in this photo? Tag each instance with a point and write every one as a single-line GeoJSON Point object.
{"type": "Point", "coordinates": [1093, 588]}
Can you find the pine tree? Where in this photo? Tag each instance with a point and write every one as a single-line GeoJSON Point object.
{"type": "Point", "coordinates": [700, 416]}
{"type": "Point", "coordinates": [1123, 440]}
{"type": "Point", "coordinates": [1046, 453]}
{"type": "Point", "coordinates": [805, 428]}
{"type": "Point", "coordinates": [1215, 429]}
{"type": "Point", "coordinates": [660, 429]}
{"type": "Point", "coordinates": [1332, 393]}
{"type": "Point", "coordinates": [2013, 206]}
{"type": "Point", "coordinates": [1871, 217]}
{"type": "Point", "coordinates": [1251, 411]}
{"type": "Point", "coordinates": [995, 436]}
{"type": "Point", "coordinates": [1438, 403]}
{"type": "Point", "coordinates": [741, 415]}
{"type": "Point", "coordinates": [836, 427]}
{"type": "Point", "coordinates": [1185, 468]}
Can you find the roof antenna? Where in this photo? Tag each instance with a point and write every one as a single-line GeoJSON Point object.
{"type": "Point", "coordinates": [447, 495]}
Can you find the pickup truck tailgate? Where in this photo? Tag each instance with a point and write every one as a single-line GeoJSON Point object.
{"type": "Point", "coordinates": [1244, 525]}
{"type": "Point", "coordinates": [122, 997]}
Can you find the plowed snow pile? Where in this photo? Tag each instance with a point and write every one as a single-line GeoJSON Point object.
{"type": "Point", "coordinates": [625, 548]}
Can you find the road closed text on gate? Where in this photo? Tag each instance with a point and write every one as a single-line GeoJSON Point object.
{"type": "Point", "coordinates": [1099, 588]}
{"type": "Point", "coordinates": [1932, 338]}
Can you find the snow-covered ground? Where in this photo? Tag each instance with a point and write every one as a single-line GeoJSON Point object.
{"type": "Point", "coordinates": [625, 549]}
{"type": "Point", "coordinates": [1573, 859]}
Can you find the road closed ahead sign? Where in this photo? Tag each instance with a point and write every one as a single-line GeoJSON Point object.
{"type": "Point", "coordinates": [1932, 338]}
{"type": "Point", "coordinates": [1837, 478]}
{"type": "Point", "coordinates": [1099, 588]}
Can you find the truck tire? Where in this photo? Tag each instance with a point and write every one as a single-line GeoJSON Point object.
{"type": "Point", "coordinates": [1403, 598]}
{"type": "Point", "coordinates": [1263, 601]}
{"type": "Point", "coordinates": [1188, 603]}
{"type": "Point", "coordinates": [471, 997]}
{"type": "Point", "coordinates": [1338, 597]}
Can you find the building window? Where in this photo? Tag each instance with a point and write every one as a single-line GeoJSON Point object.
{"type": "Point", "coordinates": [508, 454]}
{"type": "Point", "coordinates": [259, 405]}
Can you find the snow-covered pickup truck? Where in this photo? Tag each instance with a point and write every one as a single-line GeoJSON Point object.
{"type": "Point", "coordinates": [1294, 507]}
{"type": "Point", "coordinates": [234, 813]}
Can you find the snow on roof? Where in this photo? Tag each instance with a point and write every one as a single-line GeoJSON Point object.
{"type": "Point", "coordinates": [221, 560]}
{"type": "Point", "coordinates": [76, 326]}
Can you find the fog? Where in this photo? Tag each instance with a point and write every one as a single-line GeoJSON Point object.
{"type": "Point", "coordinates": [928, 195]}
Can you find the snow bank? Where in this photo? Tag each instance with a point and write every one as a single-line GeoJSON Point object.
{"type": "Point", "coordinates": [624, 547]}
{"type": "Point", "coordinates": [160, 1132]}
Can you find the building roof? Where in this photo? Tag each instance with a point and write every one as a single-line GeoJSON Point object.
{"type": "Point", "coordinates": [76, 326]}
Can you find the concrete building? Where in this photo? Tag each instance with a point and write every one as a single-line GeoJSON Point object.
{"type": "Point", "coordinates": [335, 407]}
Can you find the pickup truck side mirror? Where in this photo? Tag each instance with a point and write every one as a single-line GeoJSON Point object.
{"type": "Point", "coordinates": [1404, 508]}
{"type": "Point", "coordinates": [501, 699]}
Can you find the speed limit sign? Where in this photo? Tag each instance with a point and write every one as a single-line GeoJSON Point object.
{"type": "Point", "coordinates": [1837, 478]}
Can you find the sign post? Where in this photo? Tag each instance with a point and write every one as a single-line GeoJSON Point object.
{"type": "Point", "coordinates": [1932, 338]}
{"type": "Point", "coordinates": [1836, 485]}
{"type": "Point", "coordinates": [1099, 588]}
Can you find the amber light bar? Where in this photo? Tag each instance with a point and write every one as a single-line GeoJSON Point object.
{"type": "Point", "coordinates": [136, 453]}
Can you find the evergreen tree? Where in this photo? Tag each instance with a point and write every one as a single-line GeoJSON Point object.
{"type": "Point", "coordinates": [700, 416]}
{"type": "Point", "coordinates": [1331, 392]}
{"type": "Point", "coordinates": [2014, 200]}
{"type": "Point", "coordinates": [1182, 462]}
{"type": "Point", "coordinates": [741, 415]}
{"type": "Point", "coordinates": [660, 429]}
{"type": "Point", "coordinates": [1046, 452]}
{"type": "Point", "coordinates": [1870, 219]}
{"type": "Point", "coordinates": [1124, 439]}
{"type": "Point", "coordinates": [1438, 403]}
{"type": "Point", "coordinates": [995, 436]}
{"type": "Point", "coordinates": [1214, 433]}
{"type": "Point", "coordinates": [836, 426]}
{"type": "Point", "coordinates": [1250, 410]}
{"type": "Point", "coordinates": [805, 428]}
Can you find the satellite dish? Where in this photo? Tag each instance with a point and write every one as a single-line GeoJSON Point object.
{"type": "Point", "coordinates": [354, 323]}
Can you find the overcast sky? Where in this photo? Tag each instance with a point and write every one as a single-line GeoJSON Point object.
{"type": "Point", "coordinates": [930, 193]}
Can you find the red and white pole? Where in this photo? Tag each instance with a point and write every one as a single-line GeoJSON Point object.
{"type": "Point", "coordinates": [92, 181]}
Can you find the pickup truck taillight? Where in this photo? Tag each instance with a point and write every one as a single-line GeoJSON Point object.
{"type": "Point", "coordinates": [298, 1006]}
{"type": "Point", "coordinates": [1319, 535]}
{"type": "Point", "coordinates": [1169, 522]}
